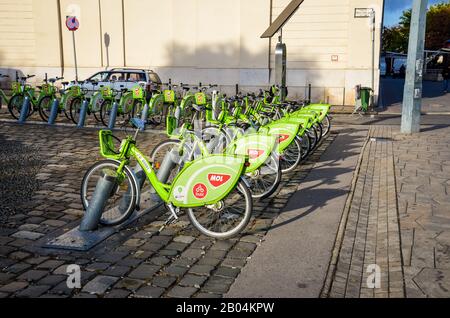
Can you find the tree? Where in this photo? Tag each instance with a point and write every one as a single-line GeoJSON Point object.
{"type": "Point", "coordinates": [396, 38]}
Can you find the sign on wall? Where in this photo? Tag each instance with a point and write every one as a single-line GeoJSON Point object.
{"type": "Point", "coordinates": [72, 23]}
{"type": "Point", "coordinates": [363, 12]}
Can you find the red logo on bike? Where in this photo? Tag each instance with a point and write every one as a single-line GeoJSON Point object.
{"type": "Point", "coordinates": [200, 191]}
{"type": "Point", "coordinates": [218, 180]}
{"type": "Point", "coordinates": [255, 153]}
{"type": "Point", "coordinates": [283, 137]}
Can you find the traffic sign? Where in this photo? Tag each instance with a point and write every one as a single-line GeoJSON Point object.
{"type": "Point", "coordinates": [72, 23]}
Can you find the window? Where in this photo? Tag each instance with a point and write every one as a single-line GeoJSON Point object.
{"type": "Point", "coordinates": [136, 77]}
{"type": "Point", "coordinates": [154, 78]}
{"type": "Point", "coordinates": [99, 77]}
{"type": "Point", "coordinates": [116, 76]}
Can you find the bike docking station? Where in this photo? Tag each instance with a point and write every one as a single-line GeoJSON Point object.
{"type": "Point", "coordinates": [90, 232]}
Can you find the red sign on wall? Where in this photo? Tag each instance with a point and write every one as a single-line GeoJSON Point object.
{"type": "Point", "coordinates": [72, 23]}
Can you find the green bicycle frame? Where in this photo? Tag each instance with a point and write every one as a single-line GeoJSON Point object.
{"type": "Point", "coordinates": [204, 181]}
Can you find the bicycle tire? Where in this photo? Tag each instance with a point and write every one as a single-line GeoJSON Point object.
{"type": "Point", "coordinates": [133, 198]}
{"type": "Point", "coordinates": [296, 149]}
{"type": "Point", "coordinates": [248, 202]}
{"type": "Point", "coordinates": [15, 106]}
{"type": "Point", "coordinates": [42, 108]}
{"type": "Point", "coordinates": [273, 186]}
{"type": "Point", "coordinates": [75, 107]}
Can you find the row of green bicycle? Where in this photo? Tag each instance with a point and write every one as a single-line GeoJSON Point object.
{"type": "Point", "coordinates": [222, 153]}
{"type": "Point", "coordinates": [100, 100]}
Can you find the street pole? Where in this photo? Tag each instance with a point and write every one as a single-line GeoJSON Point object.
{"type": "Point", "coordinates": [412, 97]}
{"type": "Point", "coordinates": [75, 56]}
{"type": "Point", "coordinates": [373, 17]}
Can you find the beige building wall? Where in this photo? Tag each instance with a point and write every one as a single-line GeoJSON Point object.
{"type": "Point", "coordinates": [191, 41]}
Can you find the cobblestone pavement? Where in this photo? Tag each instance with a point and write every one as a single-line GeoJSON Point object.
{"type": "Point", "coordinates": [136, 262]}
{"type": "Point", "coordinates": [399, 218]}
{"type": "Point", "coordinates": [423, 182]}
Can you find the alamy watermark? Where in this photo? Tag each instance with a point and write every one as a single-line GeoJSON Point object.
{"type": "Point", "coordinates": [73, 276]}
{"type": "Point", "coordinates": [374, 278]}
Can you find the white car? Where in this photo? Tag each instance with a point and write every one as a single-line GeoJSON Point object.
{"type": "Point", "coordinates": [121, 78]}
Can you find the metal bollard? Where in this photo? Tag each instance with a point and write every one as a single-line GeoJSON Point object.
{"type": "Point", "coordinates": [25, 110]}
{"type": "Point", "coordinates": [97, 204]}
{"type": "Point", "coordinates": [145, 111]}
{"type": "Point", "coordinates": [169, 162]}
{"type": "Point", "coordinates": [113, 116]}
{"type": "Point", "coordinates": [53, 112]}
{"type": "Point", "coordinates": [83, 112]}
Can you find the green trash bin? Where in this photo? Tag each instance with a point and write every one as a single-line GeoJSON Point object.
{"type": "Point", "coordinates": [365, 98]}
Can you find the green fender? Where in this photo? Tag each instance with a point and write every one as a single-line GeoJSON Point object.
{"type": "Point", "coordinates": [126, 102]}
{"type": "Point", "coordinates": [157, 102]}
{"type": "Point", "coordinates": [312, 115]}
{"type": "Point", "coordinates": [258, 147]}
{"type": "Point", "coordinates": [66, 100]}
{"type": "Point", "coordinates": [305, 123]}
{"type": "Point", "coordinates": [285, 132]}
{"type": "Point", "coordinates": [96, 101]}
{"type": "Point", "coordinates": [187, 102]}
{"type": "Point", "coordinates": [323, 109]}
{"type": "Point", "coordinates": [206, 181]}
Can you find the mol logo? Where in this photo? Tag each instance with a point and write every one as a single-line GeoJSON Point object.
{"type": "Point", "coordinates": [218, 180]}
{"type": "Point", "coordinates": [255, 153]}
{"type": "Point", "coordinates": [200, 191]}
{"type": "Point", "coordinates": [282, 138]}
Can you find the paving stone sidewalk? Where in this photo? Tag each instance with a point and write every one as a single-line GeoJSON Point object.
{"type": "Point", "coordinates": [138, 261]}
{"type": "Point", "coordinates": [398, 218]}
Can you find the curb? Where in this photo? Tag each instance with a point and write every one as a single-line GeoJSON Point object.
{"type": "Point", "coordinates": [325, 292]}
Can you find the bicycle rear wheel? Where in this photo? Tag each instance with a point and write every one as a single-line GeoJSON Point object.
{"type": "Point", "coordinates": [15, 106]}
{"type": "Point", "coordinates": [227, 218]}
{"type": "Point", "coordinates": [291, 157]}
{"type": "Point", "coordinates": [123, 198]}
{"type": "Point", "coordinates": [265, 181]}
{"type": "Point", "coordinates": [326, 124]}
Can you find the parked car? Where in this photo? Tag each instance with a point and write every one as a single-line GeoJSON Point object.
{"type": "Point", "coordinates": [119, 78]}
{"type": "Point", "coordinates": [383, 68]}
{"type": "Point", "coordinates": [399, 68]}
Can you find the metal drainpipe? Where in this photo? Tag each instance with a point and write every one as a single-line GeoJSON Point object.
{"type": "Point", "coordinates": [61, 45]}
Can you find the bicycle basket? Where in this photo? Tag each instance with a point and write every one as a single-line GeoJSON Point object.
{"type": "Point", "coordinates": [47, 89]}
{"type": "Point", "coordinates": [16, 87]}
{"type": "Point", "coordinates": [75, 90]}
{"type": "Point", "coordinates": [106, 92]}
{"type": "Point", "coordinates": [200, 99]}
{"type": "Point", "coordinates": [138, 92]}
{"type": "Point", "coordinates": [169, 96]}
{"type": "Point", "coordinates": [107, 146]}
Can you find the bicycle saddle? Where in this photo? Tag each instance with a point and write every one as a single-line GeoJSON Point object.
{"type": "Point", "coordinates": [52, 80]}
{"type": "Point", "coordinates": [198, 108]}
{"type": "Point", "coordinates": [138, 123]}
{"type": "Point", "coordinates": [65, 83]}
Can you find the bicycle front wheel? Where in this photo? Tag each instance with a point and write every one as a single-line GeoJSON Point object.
{"type": "Point", "coordinates": [75, 109]}
{"type": "Point", "coordinates": [15, 106]}
{"type": "Point", "coordinates": [45, 107]}
{"type": "Point", "coordinates": [228, 217]}
{"type": "Point", "coordinates": [122, 200]}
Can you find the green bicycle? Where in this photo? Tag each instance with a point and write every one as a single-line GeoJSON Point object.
{"type": "Point", "coordinates": [20, 90]}
{"type": "Point", "coordinates": [126, 109]}
{"type": "Point", "coordinates": [211, 188]}
{"type": "Point", "coordinates": [3, 96]}
{"type": "Point", "coordinates": [48, 95]}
